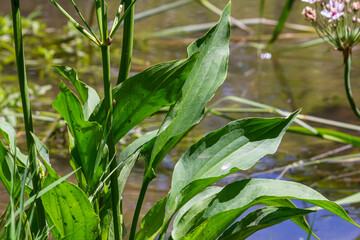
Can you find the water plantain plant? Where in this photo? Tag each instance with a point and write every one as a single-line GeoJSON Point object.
{"type": "Point", "coordinates": [92, 209]}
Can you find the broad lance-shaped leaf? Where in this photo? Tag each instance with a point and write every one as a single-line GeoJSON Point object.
{"type": "Point", "coordinates": [260, 219]}
{"type": "Point", "coordinates": [88, 95]}
{"type": "Point", "coordinates": [300, 221]}
{"type": "Point", "coordinates": [192, 211]}
{"type": "Point", "coordinates": [237, 197]}
{"type": "Point", "coordinates": [153, 220]}
{"type": "Point", "coordinates": [144, 94]}
{"type": "Point", "coordinates": [237, 146]}
{"type": "Point", "coordinates": [68, 210]}
{"type": "Point", "coordinates": [87, 136]}
{"type": "Point", "coordinates": [207, 75]}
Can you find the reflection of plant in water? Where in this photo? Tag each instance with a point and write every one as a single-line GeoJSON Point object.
{"type": "Point", "coordinates": [337, 22]}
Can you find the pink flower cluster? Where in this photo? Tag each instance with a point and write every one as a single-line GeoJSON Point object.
{"type": "Point", "coordinates": [336, 21]}
{"type": "Point", "coordinates": [334, 9]}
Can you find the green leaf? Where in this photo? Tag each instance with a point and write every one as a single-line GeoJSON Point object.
{"type": "Point", "coordinates": [282, 20]}
{"type": "Point", "coordinates": [8, 171]}
{"type": "Point", "coordinates": [88, 95]}
{"type": "Point", "coordinates": [152, 222]}
{"type": "Point", "coordinates": [87, 136]}
{"type": "Point", "coordinates": [9, 134]}
{"type": "Point", "coordinates": [44, 190]}
{"type": "Point", "coordinates": [207, 75]}
{"type": "Point", "coordinates": [192, 211]}
{"type": "Point", "coordinates": [69, 210]}
{"type": "Point", "coordinates": [237, 197]}
{"type": "Point", "coordinates": [328, 134]}
{"type": "Point", "coordinates": [260, 219]}
{"type": "Point", "coordinates": [144, 94]}
{"type": "Point", "coordinates": [300, 221]}
{"type": "Point", "coordinates": [237, 146]}
{"type": "Point", "coordinates": [10, 137]}
{"type": "Point", "coordinates": [41, 148]}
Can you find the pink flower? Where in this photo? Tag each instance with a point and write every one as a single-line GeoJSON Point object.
{"type": "Point", "coordinates": [334, 10]}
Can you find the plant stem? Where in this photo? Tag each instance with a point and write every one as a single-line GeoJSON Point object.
{"type": "Point", "coordinates": [347, 62]}
{"type": "Point", "coordinates": [21, 69]}
{"type": "Point", "coordinates": [139, 203]}
{"type": "Point", "coordinates": [105, 53]}
{"type": "Point", "coordinates": [127, 46]}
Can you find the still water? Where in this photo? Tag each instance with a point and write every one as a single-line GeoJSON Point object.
{"type": "Point", "coordinates": [309, 78]}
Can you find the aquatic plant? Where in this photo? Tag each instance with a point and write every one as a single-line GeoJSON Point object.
{"type": "Point", "coordinates": [92, 209]}
{"type": "Point", "coordinates": [337, 22]}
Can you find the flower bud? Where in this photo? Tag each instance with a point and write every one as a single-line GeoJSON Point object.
{"type": "Point", "coordinates": [309, 14]}
{"type": "Point", "coordinates": [355, 6]}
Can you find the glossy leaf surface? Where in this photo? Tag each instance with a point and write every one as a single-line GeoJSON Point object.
{"type": "Point", "coordinates": [237, 146]}
{"type": "Point", "coordinates": [208, 74]}
{"type": "Point", "coordinates": [144, 94]}
{"type": "Point", "coordinates": [152, 222]}
{"type": "Point", "coordinates": [237, 197]}
{"type": "Point", "coordinates": [192, 211]}
{"type": "Point", "coordinates": [260, 219]}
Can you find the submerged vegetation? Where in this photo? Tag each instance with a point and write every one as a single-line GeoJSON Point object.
{"type": "Point", "coordinates": [44, 204]}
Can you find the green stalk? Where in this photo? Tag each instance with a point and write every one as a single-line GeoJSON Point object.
{"type": "Point", "coordinates": [105, 54]}
{"type": "Point", "coordinates": [21, 69]}
{"type": "Point", "coordinates": [347, 62]}
{"type": "Point", "coordinates": [127, 46]}
{"type": "Point", "coordinates": [139, 203]}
